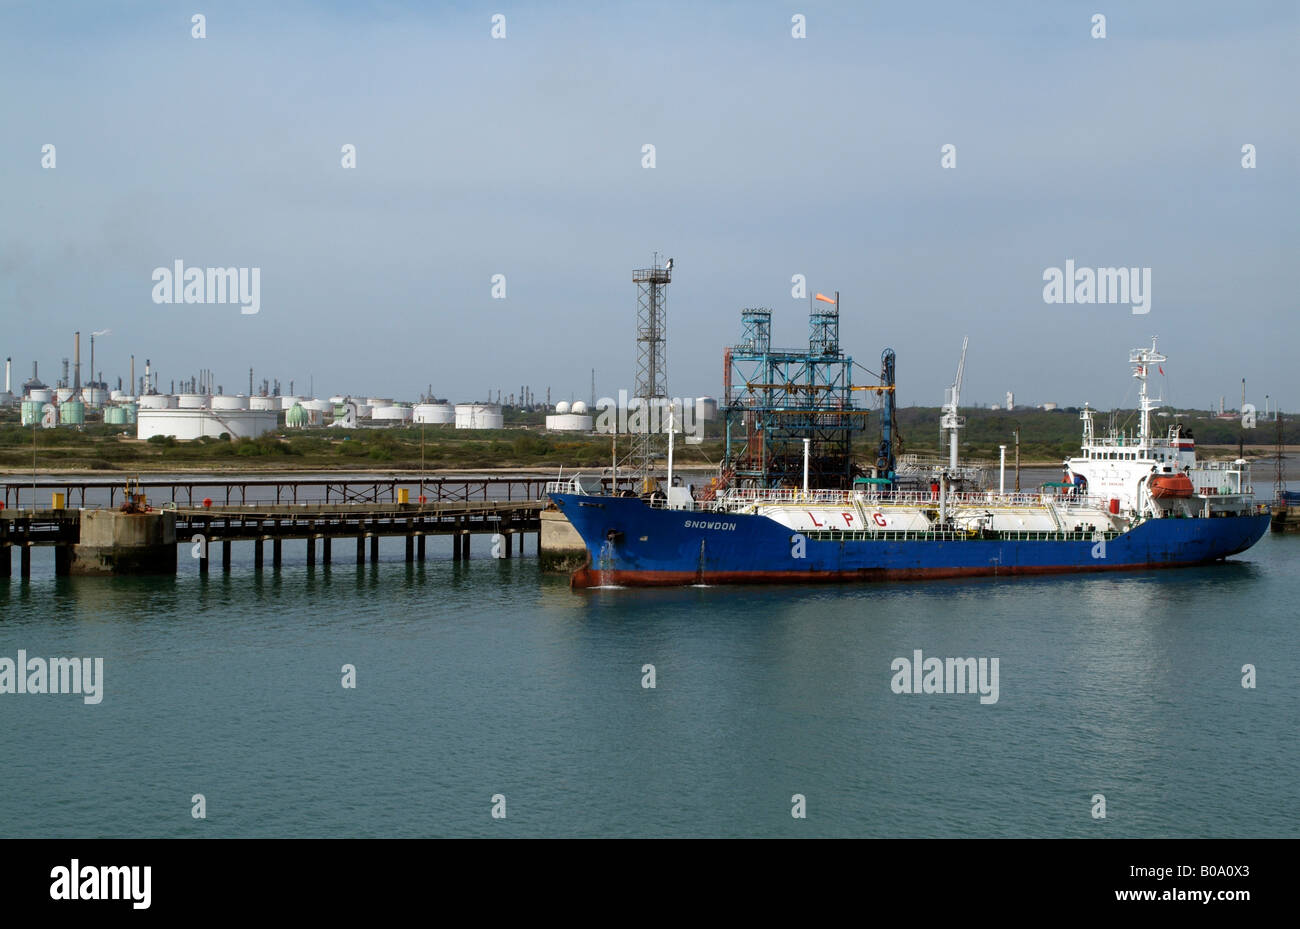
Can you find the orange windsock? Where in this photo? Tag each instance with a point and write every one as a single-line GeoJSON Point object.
{"type": "Point", "coordinates": [825, 299]}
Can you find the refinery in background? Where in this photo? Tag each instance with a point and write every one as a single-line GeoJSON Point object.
{"type": "Point", "coordinates": [201, 408]}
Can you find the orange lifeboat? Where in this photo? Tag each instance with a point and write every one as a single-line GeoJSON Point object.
{"type": "Point", "coordinates": [1171, 485]}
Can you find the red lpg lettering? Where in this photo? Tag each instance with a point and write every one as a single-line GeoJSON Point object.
{"type": "Point", "coordinates": [812, 517]}
{"type": "Point", "coordinates": [878, 519]}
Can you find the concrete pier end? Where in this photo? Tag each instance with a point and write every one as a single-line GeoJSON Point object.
{"type": "Point", "coordinates": [112, 542]}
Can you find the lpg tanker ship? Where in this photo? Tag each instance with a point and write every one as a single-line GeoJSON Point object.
{"type": "Point", "coordinates": [1126, 501]}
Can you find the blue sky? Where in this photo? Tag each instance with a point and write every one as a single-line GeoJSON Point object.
{"type": "Point", "coordinates": [775, 156]}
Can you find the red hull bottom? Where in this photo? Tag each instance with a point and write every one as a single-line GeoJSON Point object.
{"type": "Point", "coordinates": [587, 578]}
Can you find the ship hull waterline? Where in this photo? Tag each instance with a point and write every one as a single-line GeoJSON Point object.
{"type": "Point", "coordinates": [630, 544]}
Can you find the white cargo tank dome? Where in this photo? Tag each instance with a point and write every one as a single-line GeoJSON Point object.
{"type": "Point", "coordinates": [578, 409]}
{"type": "Point", "coordinates": [562, 407]}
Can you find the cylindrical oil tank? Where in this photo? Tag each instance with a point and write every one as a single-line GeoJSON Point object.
{"type": "Point", "coordinates": [64, 394]}
{"type": "Point", "coordinates": [72, 413]}
{"type": "Point", "coordinates": [436, 414]}
{"type": "Point", "coordinates": [31, 412]}
{"type": "Point", "coordinates": [131, 409]}
{"type": "Point", "coordinates": [478, 416]}
{"type": "Point", "coordinates": [41, 395]}
{"type": "Point", "coordinates": [114, 416]}
{"type": "Point", "coordinates": [568, 422]}
{"type": "Point", "coordinates": [373, 402]}
{"type": "Point", "coordinates": [191, 401]}
{"type": "Point", "coordinates": [394, 413]}
{"type": "Point", "coordinates": [287, 402]}
{"type": "Point", "coordinates": [230, 402]}
{"type": "Point", "coordinates": [264, 403]}
{"type": "Point", "coordinates": [158, 402]}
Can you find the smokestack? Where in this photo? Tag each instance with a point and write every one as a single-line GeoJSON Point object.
{"type": "Point", "coordinates": [9, 387]}
{"type": "Point", "coordinates": [148, 384]}
{"type": "Point", "coordinates": [76, 363]}
{"type": "Point", "coordinates": [132, 373]}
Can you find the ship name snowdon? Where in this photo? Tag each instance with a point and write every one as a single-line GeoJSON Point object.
{"type": "Point", "coordinates": [707, 524]}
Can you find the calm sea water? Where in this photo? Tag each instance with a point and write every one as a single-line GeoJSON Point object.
{"type": "Point", "coordinates": [488, 678]}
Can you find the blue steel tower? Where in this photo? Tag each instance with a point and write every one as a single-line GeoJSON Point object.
{"type": "Point", "coordinates": [774, 398]}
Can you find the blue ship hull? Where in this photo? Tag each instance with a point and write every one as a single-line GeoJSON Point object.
{"type": "Point", "coordinates": [630, 543]}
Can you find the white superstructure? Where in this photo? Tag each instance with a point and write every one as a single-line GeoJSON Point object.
{"type": "Point", "coordinates": [1144, 474]}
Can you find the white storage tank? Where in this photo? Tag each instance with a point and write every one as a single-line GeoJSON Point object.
{"type": "Point", "coordinates": [191, 401]}
{"type": "Point", "coordinates": [318, 411]}
{"type": "Point", "coordinates": [263, 403]}
{"type": "Point", "coordinates": [230, 402]}
{"type": "Point", "coordinates": [158, 402]}
{"type": "Point", "coordinates": [436, 414]}
{"type": "Point", "coordinates": [287, 402]}
{"type": "Point", "coordinates": [95, 396]}
{"type": "Point", "coordinates": [193, 424]}
{"type": "Point", "coordinates": [373, 402]}
{"type": "Point", "coordinates": [64, 394]}
{"type": "Point", "coordinates": [479, 416]}
{"type": "Point", "coordinates": [41, 395]}
{"type": "Point", "coordinates": [562, 407]}
{"type": "Point", "coordinates": [568, 422]}
{"type": "Point", "coordinates": [393, 413]}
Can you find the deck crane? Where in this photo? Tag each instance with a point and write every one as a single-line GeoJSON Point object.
{"type": "Point", "coordinates": [950, 422]}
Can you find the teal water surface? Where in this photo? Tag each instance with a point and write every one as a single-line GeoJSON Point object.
{"type": "Point", "coordinates": [487, 678]}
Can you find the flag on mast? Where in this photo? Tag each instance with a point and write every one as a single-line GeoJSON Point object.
{"type": "Point", "coordinates": [825, 299]}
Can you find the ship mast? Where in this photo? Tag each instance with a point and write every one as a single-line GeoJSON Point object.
{"type": "Point", "coordinates": [1141, 359]}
